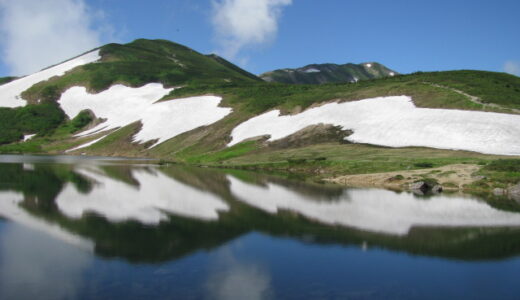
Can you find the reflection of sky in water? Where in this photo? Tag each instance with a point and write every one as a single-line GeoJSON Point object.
{"type": "Point", "coordinates": [36, 266]}
{"type": "Point", "coordinates": [231, 278]}
{"type": "Point", "coordinates": [10, 208]}
{"type": "Point", "coordinates": [376, 209]}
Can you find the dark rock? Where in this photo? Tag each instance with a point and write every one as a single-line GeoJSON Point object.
{"type": "Point", "coordinates": [419, 186]}
{"type": "Point", "coordinates": [437, 189]}
{"type": "Point", "coordinates": [423, 187]}
{"type": "Point", "coordinates": [311, 135]}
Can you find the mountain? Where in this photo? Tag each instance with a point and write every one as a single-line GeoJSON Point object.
{"type": "Point", "coordinates": [159, 99]}
{"type": "Point", "coordinates": [6, 79]}
{"type": "Point", "coordinates": [328, 73]}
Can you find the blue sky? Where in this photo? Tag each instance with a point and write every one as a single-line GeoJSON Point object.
{"type": "Point", "coordinates": [406, 35]}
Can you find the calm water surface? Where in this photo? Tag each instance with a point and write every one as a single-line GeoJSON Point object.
{"type": "Point", "coordinates": [80, 228]}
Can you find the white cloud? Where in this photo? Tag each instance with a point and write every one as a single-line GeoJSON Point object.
{"type": "Point", "coordinates": [242, 23]}
{"type": "Point", "coordinates": [40, 33]}
{"type": "Point", "coordinates": [512, 67]}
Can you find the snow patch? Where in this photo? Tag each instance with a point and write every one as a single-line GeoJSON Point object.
{"type": "Point", "coordinates": [368, 65]}
{"type": "Point", "coordinates": [121, 105]}
{"type": "Point", "coordinates": [28, 137]}
{"type": "Point", "coordinates": [86, 144]}
{"type": "Point", "coordinates": [376, 210]}
{"type": "Point", "coordinates": [312, 70]}
{"type": "Point", "coordinates": [10, 92]}
{"type": "Point", "coordinates": [397, 122]}
{"type": "Point", "coordinates": [157, 196]}
{"type": "Point", "coordinates": [392, 74]}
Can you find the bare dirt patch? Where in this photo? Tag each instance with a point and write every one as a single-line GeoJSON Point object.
{"type": "Point", "coordinates": [450, 177]}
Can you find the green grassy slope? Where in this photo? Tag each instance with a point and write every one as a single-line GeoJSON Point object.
{"type": "Point", "coordinates": [140, 62]}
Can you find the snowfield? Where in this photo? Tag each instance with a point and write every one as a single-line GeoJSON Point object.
{"type": "Point", "coordinates": [376, 210]}
{"type": "Point", "coordinates": [121, 105]}
{"type": "Point", "coordinates": [396, 122]}
{"type": "Point", "coordinates": [149, 203]}
{"type": "Point", "coordinates": [10, 92]}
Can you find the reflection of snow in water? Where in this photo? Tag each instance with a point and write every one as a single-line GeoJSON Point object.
{"type": "Point", "coordinates": [377, 210]}
{"type": "Point", "coordinates": [10, 209]}
{"type": "Point", "coordinates": [156, 196]}
{"type": "Point", "coordinates": [34, 266]}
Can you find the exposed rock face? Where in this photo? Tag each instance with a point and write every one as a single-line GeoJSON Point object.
{"type": "Point", "coordinates": [327, 73]}
{"type": "Point", "coordinates": [498, 192]}
{"type": "Point", "coordinates": [514, 192]}
{"type": "Point", "coordinates": [313, 134]}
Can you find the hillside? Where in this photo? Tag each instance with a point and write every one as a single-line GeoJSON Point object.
{"type": "Point", "coordinates": [154, 98]}
{"type": "Point", "coordinates": [328, 73]}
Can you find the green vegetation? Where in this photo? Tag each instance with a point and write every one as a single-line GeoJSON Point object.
{"type": "Point", "coordinates": [140, 62]}
{"type": "Point", "coordinates": [33, 119]}
{"type": "Point", "coordinates": [259, 97]}
{"type": "Point", "coordinates": [501, 173]}
{"type": "Point", "coordinates": [504, 165]}
{"type": "Point", "coordinates": [498, 88]}
{"type": "Point", "coordinates": [7, 79]}
{"type": "Point", "coordinates": [423, 165]}
{"type": "Point", "coordinates": [225, 154]}
{"type": "Point", "coordinates": [81, 120]}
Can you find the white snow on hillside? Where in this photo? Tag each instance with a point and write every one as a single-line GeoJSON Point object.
{"type": "Point", "coordinates": [376, 210]}
{"type": "Point", "coordinates": [121, 105]}
{"type": "Point", "coordinates": [28, 137]}
{"type": "Point", "coordinates": [312, 70]}
{"type": "Point", "coordinates": [86, 144]}
{"type": "Point", "coordinates": [156, 196]}
{"type": "Point", "coordinates": [396, 122]}
{"type": "Point", "coordinates": [368, 65]}
{"type": "Point", "coordinates": [10, 92]}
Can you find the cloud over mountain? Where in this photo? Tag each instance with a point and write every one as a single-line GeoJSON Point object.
{"type": "Point", "coordinates": [39, 33]}
{"type": "Point", "coordinates": [243, 23]}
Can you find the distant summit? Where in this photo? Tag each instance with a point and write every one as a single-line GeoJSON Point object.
{"type": "Point", "coordinates": [328, 73]}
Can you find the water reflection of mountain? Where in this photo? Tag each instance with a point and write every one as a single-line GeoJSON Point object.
{"type": "Point", "coordinates": [149, 214]}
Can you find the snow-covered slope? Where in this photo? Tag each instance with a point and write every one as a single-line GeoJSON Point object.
{"type": "Point", "coordinates": [121, 105]}
{"type": "Point", "coordinates": [10, 92]}
{"type": "Point", "coordinates": [376, 210]}
{"type": "Point", "coordinates": [151, 202]}
{"type": "Point", "coordinates": [397, 122]}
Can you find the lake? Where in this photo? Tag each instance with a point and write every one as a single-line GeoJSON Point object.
{"type": "Point", "coordinates": [104, 228]}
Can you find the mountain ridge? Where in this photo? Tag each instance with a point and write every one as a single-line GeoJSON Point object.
{"type": "Point", "coordinates": [329, 73]}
